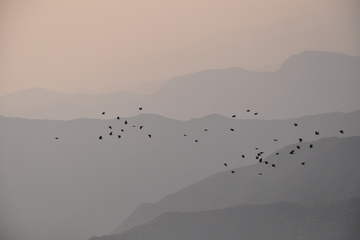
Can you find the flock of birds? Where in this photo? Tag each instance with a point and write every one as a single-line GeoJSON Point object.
{"type": "Point", "coordinates": [257, 156]}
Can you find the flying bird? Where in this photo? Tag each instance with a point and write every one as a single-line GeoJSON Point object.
{"type": "Point", "coordinates": [232, 171]}
{"type": "Point", "coordinates": [265, 162]}
{"type": "Point", "coordinates": [300, 139]}
{"type": "Point", "coordinates": [140, 108]}
{"type": "Point", "coordinates": [196, 140]}
{"type": "Point", "coordinates": [342, 131]}
{"type": "Point", "coordinates": [56, 138]}
{"type": "Point", "coordinates": [118, 118]}
{"type": "Point", "coordinates": [255, 113]}
{"type": "Point", "coordinates": [110, 127]}
{"type": "Point", "coordinates": [311, 145]}
{"type": "Point", "coordinates": [149, 135]}
{"type": "Point", "coordinates": [133, 126]}
{"type": "Point", "coordinates": [119, 136]}
{"type": "Point", "coordinates": [232, 129]}
{"type": "Point", "coordinates": [295, 124]}
{"type": "Point", "coordinates": [125, 122]}
{"type": "Point", "coordinates": [275, 140]}
{"type": "Point", "coordinates": [292, 152]}
{"type": "Point", "coordinates": [260, 173]}
{"type": "Point", "coordinates": [233, 116]}
{"type": "Point", "coordinates": [205, 129]}
{"type": "Point", "coordinates": [100, 137]}
{"type": "Point", "coordinates": [141, 127]}
{"type": "Point", "coordinates": [298, 147]}
{"type": "Point", "coordinates": [260, 160]}
{"type": "Point", "coordinates": [256, 148]}
{"type": "Point", "coordinates": [303, 163]}
{"type": "Point", "coordinates": [225, 164]}
{"type": "Point", "coordinates": [103, 113]}
{"type": "Point", "coordinates": [248, 110]}
{"type": "Point", "coordinates": [317, 133]}
{"type": "Point", "coordinates": [243, 156]}
{"type": "Point", "coordinates": [122, 130]}
{"type": "Point", "coordinates": [184, 135]}
{"type": "Point", "coordinates": [277, 153]}
{"type": "Point", "coordinates": [110, 133]}
{"type": "Point", "coordinates": [273, 165]}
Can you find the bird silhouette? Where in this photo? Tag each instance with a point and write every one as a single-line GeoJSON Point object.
{"type": "Point", "coordinates": [122, 130]}
{"type": "Point", "coordinates": [225, 164]}
{"type": "Point", "coordinates": [303, 163]}
{"type": "Point", "coordinates": [233, 116]}
{"type": "Point", "coordinates": [342, 131]}
{"type": "Point", "coordinates": [298, 147]}
{"type": "Point", "coordinates": [232, 129]}
{"type": "Point", "coordinates": [311, 146]}
{"type": "Point", "coordinates": [118, 118]}
{"type": "Point", "coordinates": [255, 113]}
{"type": "Point", "coordinates": [56, 138]}
{"type": "Point", "coordinates": [295, 124]}
{"type": "Point", "coordinates": [300, 139]}
{"type": "Point", "coordinates": [110, 127]}
{"type": "Point", "coordinates": [317, 133]}
{"type": "Point", "coordinates": [103, 113]}
{"type": "Point", "coordinates": [232, 171]}
{"type": "Point", "coordinates": [277, 153]}
{"type": "Point", "coordinates": [141, 127]}
{"type": "Point", "coordinates": [248, 110]}
{"type": "Point", "coordinates": [205, 129]}
{"type": "Point", "coordinates": [196, 140]}
{"type": "Point", "coordinates": [185, 135]}
{"type": "Point", "coordinates": [275, 140]}
{"type": "Point", "coordinates": [100, 137]}
{"type": "Point", "coordinates": [273, 165]}
{"type": "Point", "coordinates": [125, 122]}
{"type": "Point", "coordinates": [256, 148]}
{"type": "Point", "coordinates": [292, 152]}
{"type": "Point", "coordinates": [140, 108]}
{"type": "Point", "coordinates": [265, 162]}
{"type": "Point", "coordinates": [260, 160]}
{"type": "Point", "coordinates": [149, 135]}
{"type": "Point", "coordinates": [110, 133]}
{"type": "Point", "coordinates": [257, 157]}
{"type": "Point", "coordinates": [119, 136]}
{"type": "Point", "coordinates": [133, 126]}
{"type": "Point", "coordinates": [260, 173]}
{"type": "Point", "coordinates": [243, 156]}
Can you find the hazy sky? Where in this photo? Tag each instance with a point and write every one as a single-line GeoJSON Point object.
{"type": "Point", "coordinates": [94, 46]}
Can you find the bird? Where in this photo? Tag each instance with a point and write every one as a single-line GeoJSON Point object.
{"type": "Point", "coordinates": [317, 133]}
{"type": "Point", "coordinates": [185, 135]}
{"type": "Point", "coordinates": [275, 140]}
{"type": "Point", "coordinates": [243, 156]}
{"type": "Point", "coordinates": [260, 173]}
{"type": "Point", "coordinates": [277, 153]}
{"type": "Point", "coordinates": [196, 140]}
{"type": "Point", "coordinates": [342, 131]}
{"type": "Point", "coordinates": [256, 148]}
{"type": "Point", "coordinates": [225, 164]}
{"type": "Point", "coordinates": [125, 122]}
{"type": "Point", "coordinates": [303, 163]}
{"type": "Point", "coordinates": [248, 110]}
{"type": "Point", "coordinates": [257, 157]}
{"type": "Point", "coordinates": [300, 139]}
{"type": "Point", "coordinates": [110, 133]}
{"type": "Point", "coordinates": [140, 108]}
{"type": "Point", "coordinates": [311, 146]}
{"type": "Point", "coordinates": [149, 135]}
{"type": "Point", "coordinates": [100, 137]}
{"type": "Point", "coordinates": [273, 165]}
{"type": "Point", "coordinates": [232, 171]}
{"type": "Point", "coordinates": [56, 138]}
{"type": "Point", "coordinates": [260, 160]}
{"type": "Point", "coordinates": [292, 152]}
{"type": "Point", "coordinates": [233, 116]}
{"type": "Point", "coordinates": [103, 113]}
{"type": "Point", "coordinates": [122, 130]}
{"type": "Point", "coordinates": [295, 124]}
{"type": "Point", "coordinates": [232, 129]}
{"type": "Point", "coordinates": [118, 118]}
{"type": "Point", "coordinates": [265, 162]}
{"type": "Point", "coordinates": [256, 113]}
{"type": "Point", "coordinates": [119, 136]}
{"type": "Point", "coordinates": [298, 147]}
{"type": "Point", "coordinates": [205, 129]}
{"type": "Point", "coordinates": [110, 127]}
{"type": "Point", "coordinates": [141, 127]}
{"type": "Point", "coordinates": [133, 126]}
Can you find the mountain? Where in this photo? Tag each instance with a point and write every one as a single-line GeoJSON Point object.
{"type": "Point", "coordinates": [78, 186]}
{"type": "Point", "coordinates": [331, 173]}
{"type": "Point", "coordinates": [39, 103]}
{"type": "Point", "coordinates": [310, 82]}
{"type": "Point", "coordinates": [278, 221]}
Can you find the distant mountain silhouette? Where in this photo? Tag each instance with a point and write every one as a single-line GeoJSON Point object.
{"type": "Point", "coordinates": [311, 82]}
{"type": "Point", "coordinates": [332, 173]}
{"type": "Point", "coordinates": [99, 183]}
{"type": "Point", "coordinates": [276, 221]}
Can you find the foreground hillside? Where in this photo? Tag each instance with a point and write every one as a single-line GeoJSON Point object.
{"type": "Point", "coordinates": [277, 221]}
{"type": "Point", "coordinates": [331, 173]}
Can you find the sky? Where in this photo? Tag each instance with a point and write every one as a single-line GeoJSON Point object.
{"type": "Point", "coordinates": [95, 47]}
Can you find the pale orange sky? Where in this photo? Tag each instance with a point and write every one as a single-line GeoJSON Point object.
{"type": "Point", "coordinates": [101, 46]}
